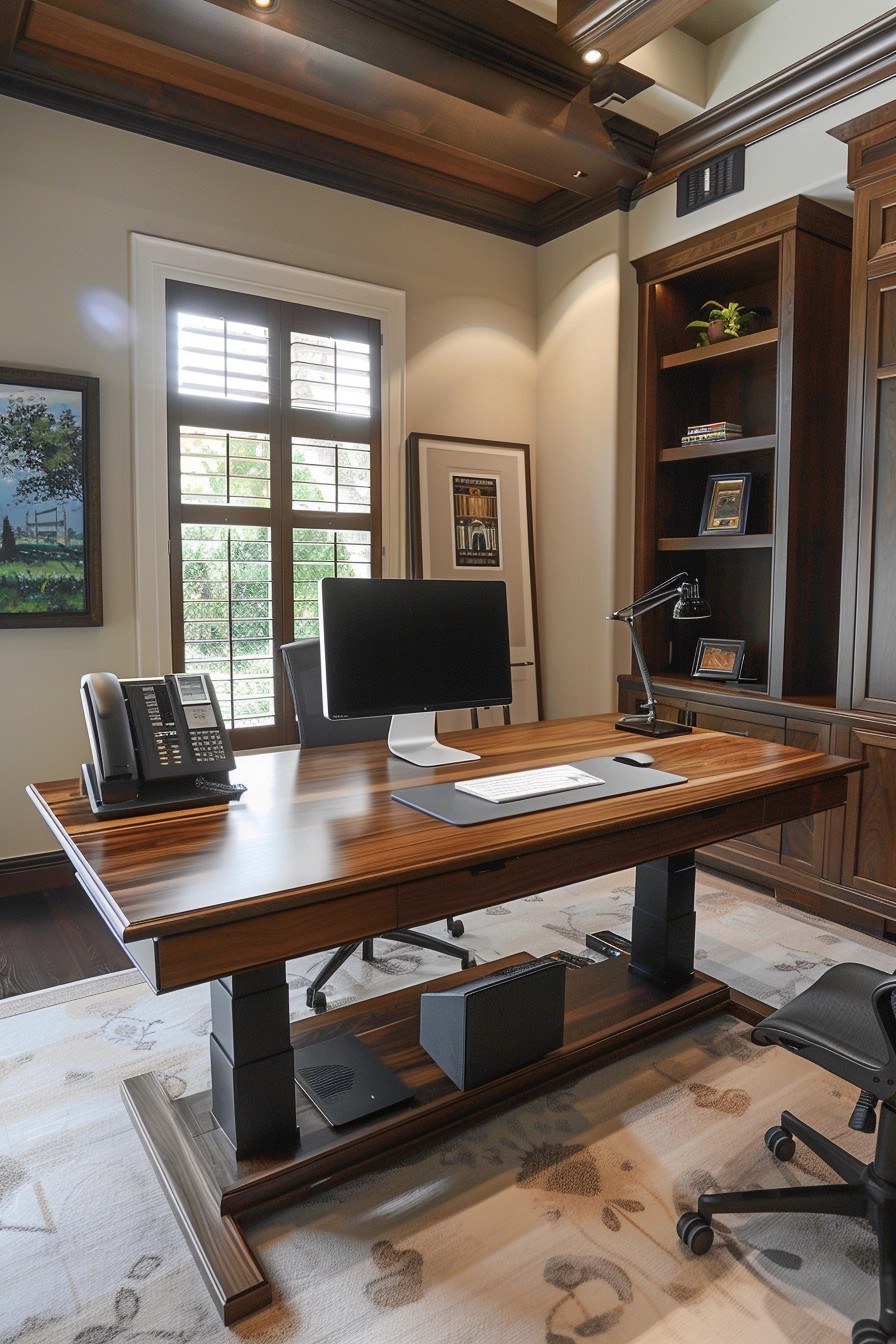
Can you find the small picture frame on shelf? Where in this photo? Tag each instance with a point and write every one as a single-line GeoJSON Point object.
{"type": "Point", "coordinates": [719, 659]}
{"type": "Point", "coordinates": [725, 505]}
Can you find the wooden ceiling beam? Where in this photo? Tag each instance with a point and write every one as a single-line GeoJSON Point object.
{"type": "Point", "coordinates": [618, 27]}
{"type": "Point", "coordinates": [469, 110]}
{"type": "Point", "coordinates": [537, 138]}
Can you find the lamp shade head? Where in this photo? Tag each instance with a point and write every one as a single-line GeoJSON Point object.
{"type": "Point", "coordinates": [690, 605]}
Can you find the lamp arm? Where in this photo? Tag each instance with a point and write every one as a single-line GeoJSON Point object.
{"type": "Point", "coordinates": [642, 665]}
{"type": "Point", "coordinates": [654, 597]}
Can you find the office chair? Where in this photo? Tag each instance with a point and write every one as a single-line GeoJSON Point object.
{"type": "Point", "coordinates": [302, 662]}
{"type": "Point", "coordinates": [845, 1023]}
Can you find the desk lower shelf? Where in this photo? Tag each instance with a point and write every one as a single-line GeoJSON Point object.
{"type": "Point", "coordinates": [609, 1011]}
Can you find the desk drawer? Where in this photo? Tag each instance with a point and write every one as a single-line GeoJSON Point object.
{"type": "Point", "coordinates": [486, 884]}
{"type": "Point", "coordinates": [475, 888]}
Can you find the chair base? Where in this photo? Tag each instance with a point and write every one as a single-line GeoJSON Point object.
{"type": "Point", "coordinates": [315, 996]}
{"type": "Point", "coordinates": [865, 1194]}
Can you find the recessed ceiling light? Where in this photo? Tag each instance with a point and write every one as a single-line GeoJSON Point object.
{"type": "Point", "coordinates": [594, 56]}
{"type": "Point", "coordinates": [264, 6]}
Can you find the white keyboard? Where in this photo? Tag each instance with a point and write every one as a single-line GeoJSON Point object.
{"type": "Point", "coordinates": [527, 783]}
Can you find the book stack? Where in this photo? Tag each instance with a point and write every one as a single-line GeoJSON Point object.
{"type": "Point", "coordinates": [710, 433]}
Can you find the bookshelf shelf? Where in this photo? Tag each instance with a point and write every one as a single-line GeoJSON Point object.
{"type": "Point", "coordinates": [750, 541]}
{"type": "Point", "coordinates": [735, 349]}
{"type": "Point", "coordinates": [686, 452]}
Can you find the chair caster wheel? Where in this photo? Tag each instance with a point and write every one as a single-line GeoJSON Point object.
{"type": "Point", "coordinates": [780, 1143]}
{"type": "Point", "coordinates": [316, 999]}
{"type": "Point", "coordinates": [695, 1232]}
{"type": "Point", "coordinates": [869, 1332]}
{"type": "Point", "coordinates": [456, 928]}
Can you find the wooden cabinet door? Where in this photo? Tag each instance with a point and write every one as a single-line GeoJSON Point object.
{"type": "Point", "coordinates": [869, 851]}
{"type": "Point", "coordinates": [874, 662]}
{"type": "Point", "coordinates": [804, 842]}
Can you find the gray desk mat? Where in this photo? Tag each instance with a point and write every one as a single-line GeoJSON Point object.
{"type": "Point", "coordinates": [447, 803]}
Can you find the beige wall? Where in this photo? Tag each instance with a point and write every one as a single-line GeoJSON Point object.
{"type": "Point", "coordinates": [586, 298]}
{"type": "Point", "coordinates": [72, 192]}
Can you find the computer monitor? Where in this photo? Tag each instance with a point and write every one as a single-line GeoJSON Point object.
{"type": "Point", "coordinates": [411, 647]}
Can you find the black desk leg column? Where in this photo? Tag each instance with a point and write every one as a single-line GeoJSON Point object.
{"type": "Point", "coordinates": [253, 1088]}
{"type": "Point", "coordinates": [663, 919]}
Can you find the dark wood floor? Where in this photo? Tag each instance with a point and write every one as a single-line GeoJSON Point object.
{"type": "Point", "coordinates": [50, 938]}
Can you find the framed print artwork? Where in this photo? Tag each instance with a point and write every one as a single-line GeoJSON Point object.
{"type": "Point", "coordinates": [469, 515]}
{"type": "Point", "coordinates": [49, 500]}
{"type": "Point", "coordinates": [725, 505]}
{"type": "Point", "coordinates": [720, 659]}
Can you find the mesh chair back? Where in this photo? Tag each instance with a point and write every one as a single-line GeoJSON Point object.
{"type": "Point", "coordinates": [302, 662]}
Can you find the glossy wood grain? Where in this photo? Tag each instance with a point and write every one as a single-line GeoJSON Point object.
{"type": "Point", "coordinates": [318, 847]}
{"type": "Point", "coordinates": [232, 1274]}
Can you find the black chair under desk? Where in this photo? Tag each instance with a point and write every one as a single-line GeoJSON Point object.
{"type": "Point", "coordinates": [845, 1023]}
{"type": "Point", "coordinates": [301, 659]}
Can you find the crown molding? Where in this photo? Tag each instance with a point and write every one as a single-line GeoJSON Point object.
{"type": "Point", "coordinates": [855, 62]}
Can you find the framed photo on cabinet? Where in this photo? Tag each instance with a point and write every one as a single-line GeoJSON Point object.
{"type": "Point", "coordinates": [725, 505]}
{"type": "Point", "coordinates": [49, 500]}
{"type": "Point", "coordinates": [719, 659]}
{"type": "Point", "coordinates": [469, 516]}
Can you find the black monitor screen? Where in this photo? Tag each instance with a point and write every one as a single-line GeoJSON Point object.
{"type": "Point", "coordinates": [402, 646]}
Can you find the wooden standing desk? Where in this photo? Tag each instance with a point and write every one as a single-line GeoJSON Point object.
{"type": "Point", "coordinates": [317, 853]}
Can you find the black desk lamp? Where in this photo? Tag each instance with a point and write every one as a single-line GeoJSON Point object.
{"type": "Point", "coordinates": [689, 607]}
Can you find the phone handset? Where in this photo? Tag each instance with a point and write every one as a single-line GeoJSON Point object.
{"type": "Point", "coordinates": [111, 741]}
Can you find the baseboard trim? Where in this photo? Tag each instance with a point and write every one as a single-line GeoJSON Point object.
{"type": "Point", "coordinates": [34, 872]}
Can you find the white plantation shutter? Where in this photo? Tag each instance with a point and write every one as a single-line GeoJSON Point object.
{"type": "Point", "coordinates": [274, 482]}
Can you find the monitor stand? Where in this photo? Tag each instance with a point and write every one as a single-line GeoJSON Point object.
{"type": "Point", "coordinates": [413, 738]}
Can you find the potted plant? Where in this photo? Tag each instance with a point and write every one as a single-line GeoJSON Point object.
{"type": "Point", "coordinates": [723, 321]}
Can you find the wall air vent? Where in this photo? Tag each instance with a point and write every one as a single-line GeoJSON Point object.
{"type": "Point", "coordinates": [711, 180]}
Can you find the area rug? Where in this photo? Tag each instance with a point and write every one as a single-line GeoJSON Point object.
{"type": "Point", "coordinates": [552, 1222]}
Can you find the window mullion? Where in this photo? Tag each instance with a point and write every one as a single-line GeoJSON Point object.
{"type": "Point", "coordinates": [281, 518]}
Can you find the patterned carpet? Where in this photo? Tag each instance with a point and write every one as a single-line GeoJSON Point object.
{"type": "Point", "coordinates": [549, 1224]}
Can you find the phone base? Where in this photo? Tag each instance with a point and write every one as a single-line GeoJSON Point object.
{"type": "Point", "coordinates": [163, 795]}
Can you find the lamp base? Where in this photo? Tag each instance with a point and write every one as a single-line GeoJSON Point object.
{"type": "Point", "coordinates": [650, 726]}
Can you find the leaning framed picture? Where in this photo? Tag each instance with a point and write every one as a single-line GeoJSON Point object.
{"type": "Point", "coordinates": [719, 659]}
{"type": "Point", "coordinates": [725, 505]}
{"type": "Point", "coordinates": [469, 517]}
{"type": "Point", "coordinates": [49, 500]}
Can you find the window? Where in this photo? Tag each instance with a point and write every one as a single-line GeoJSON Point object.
{"type": "Point", "coordinates": [274, 482]}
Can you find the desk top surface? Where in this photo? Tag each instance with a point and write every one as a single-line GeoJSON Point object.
{"type": "Point", "coordinates": [321, 824]}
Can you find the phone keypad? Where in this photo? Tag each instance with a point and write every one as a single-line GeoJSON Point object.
{"type": "Point", "coordinates": [208, 746]}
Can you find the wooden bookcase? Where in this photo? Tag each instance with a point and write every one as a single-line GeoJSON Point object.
{"type": "Point", "coordinates": [821, 374]}
{"type": "Point", "coordinates": [775, 586]}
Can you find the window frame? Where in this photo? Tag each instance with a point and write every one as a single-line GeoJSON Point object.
{"type": "Point", "coordinates": [153, 262]}
{"type": "Point", "coordinates": [280, 421]}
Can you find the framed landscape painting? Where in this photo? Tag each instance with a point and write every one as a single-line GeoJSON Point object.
{"type": "Point", "coordinates": [49, 500]}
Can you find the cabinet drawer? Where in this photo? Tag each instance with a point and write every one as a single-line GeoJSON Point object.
{"type": "Point", "coordinates": [721, 719]}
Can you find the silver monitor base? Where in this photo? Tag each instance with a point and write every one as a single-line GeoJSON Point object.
{"type": "Point", "coordinates": [413, 738]}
